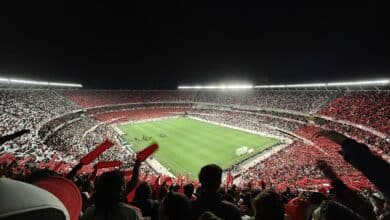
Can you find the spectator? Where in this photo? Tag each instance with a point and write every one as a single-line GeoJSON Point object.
{"type": "Point", "coordinates": [296, 209]}
{"type": "Point", "coordinates": [315, 200]}
{"type": "Point", "coordinates": [174, 207]}
{"type": "Point", "coordinates": [108, 199]}
{"type": "Point", "coordinates": [208, 216]}
{"type": "Point", "coordinates": [209, 200]}
{"type": "Point", "coordinates": [334, 210]}
{"type": "Point", "coordinates": [189, 191]}
{"type": "Point", "coordinates": [143, 201]}
{"type": "Point", "coordinates": [268, 205]}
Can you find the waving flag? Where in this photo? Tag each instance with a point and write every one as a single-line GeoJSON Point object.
{"type": "Point", "coordinates": [96, 152]}
{"type": "Point", "coordinates": [145, 153]}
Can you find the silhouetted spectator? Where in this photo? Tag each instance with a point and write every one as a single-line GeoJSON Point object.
{"type": "Point", "coordinates": [108, 199]}
{"type": "Point", "coordinates": [174, 207]}
{"type": "Point", "coordinates": [210, 177]}
{"type": "Point", "coordinates": [268, 205]}
{"type": "Point", "coordinates": [189, 191]}
{"type": "Point", "coordinates": [334, 210]}
{"type": "Point", "coordinates": [315, 200]}
{"type": "Point", "coordinates": [143, 200]}
{"type": "Point", "coordinates": [209, 216]}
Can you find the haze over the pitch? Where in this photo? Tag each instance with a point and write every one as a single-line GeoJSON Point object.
{"type": "Point", "coordinates": [111, 44]}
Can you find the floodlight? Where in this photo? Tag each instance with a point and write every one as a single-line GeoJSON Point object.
{"type": "Point", "coordinates": [276, 86]}
{"type": "Point", "coordinates": [305, 85]}
{"type": "Point", "coordinates": [65, 84]}
{"type": "Point", "coordinates": [237, 86]}
{"type": "Point", "coordinates": [360, 83]}
{"type": "Point", "coordinates": [4, 80]}
{"type": "Point", "coordinates": [31, 82]}
{"type": "Point", "coordinates": [40, 83]}
{"type": "Point", "coordinates": [301, 85]}
{"type": "Point", "coordinates": [269, 86]}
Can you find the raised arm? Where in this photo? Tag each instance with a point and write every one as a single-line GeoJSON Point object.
{"type": "Point", "coordinates": [359, 156]}
{"type": "Point", "coordinates": [134, 178]}
{"type": "Point", "coordinates": [346, 195]}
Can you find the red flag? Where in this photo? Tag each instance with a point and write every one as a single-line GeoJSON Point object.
{"type": "Point", "coordinates": [107, 164]}
{"type": "Point", "coordinates": [7, 157]}
{"type": "Point", "coordinates": [96, 152]}
{"type": "Point", "coordinates": [86, 169]}
{"type": "Point", "coordinates": [145, 153]}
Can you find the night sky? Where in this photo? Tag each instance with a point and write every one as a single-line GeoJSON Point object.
{"type": "Point", "coordinates": [150, 45]}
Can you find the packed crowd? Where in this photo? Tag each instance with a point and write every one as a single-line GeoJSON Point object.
{"type": "Point", "coordinates": [292, 169]}
{"type": "Point", "coordinates": [302, 101]}
{"type": "Point", "coordinates": [140, 114]}
{"type": "Point", "coordinates": [91, 98]}
{"type": "Point", "coordinates": [41, 112]}
{"type": "Point", "coordinates": [28, 109]}
{"type": "Point", "coordinates": [247, 120]}
{"type": "Point", "coordinates": [297, 161]}
{"type": "Point", "coordinates": [379, 145]}
{"type": "Point", "coordinates": [367, 108]}
{"type": "Point", "coordinates": [69, 138]}
{"type": "Point", "coordinates": [50, 126]}
{"type": "Point", "coordinates": [77, 138]}
{"type": "Point", "coordinates": [47, 194]}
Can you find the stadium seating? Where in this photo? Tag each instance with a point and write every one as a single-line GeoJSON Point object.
{"type": "Point", "coordinates": [66, 124]}
{"type": "Point", "coordinates": [301, 101]}
{"type": "Point", "coordinates": [91, 98]}
{"type": "Point", "coordinates": [37, 108]}
{"type": "Point", "coordinates": [139, 114]}
{"type": "Point", "coordinates": [366, 108]}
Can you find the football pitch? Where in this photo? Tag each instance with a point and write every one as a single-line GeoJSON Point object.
{"type": "Point", "coordinates": [187, 144]}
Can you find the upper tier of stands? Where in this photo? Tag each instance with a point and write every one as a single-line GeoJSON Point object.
{"type": "Point", "coordinates": [367, 108]}
{"type": "Point", "coordinates": [302, 101]}
{"type": "Point", "coordinates": [91, 98]}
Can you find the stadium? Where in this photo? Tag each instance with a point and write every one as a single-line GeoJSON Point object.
{"type": "Point", "coordinates": [211, 125]}
{"type": "Point", "coordinates": [182, 111]}
{"type": "Point", "coordinates": [257, 135]}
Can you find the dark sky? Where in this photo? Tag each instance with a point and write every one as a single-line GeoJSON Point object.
{"type": "Point", "coordinates": [145, 44]}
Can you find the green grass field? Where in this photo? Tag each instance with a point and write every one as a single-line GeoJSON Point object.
{"type": "Point", "coordinates": [189, 144]}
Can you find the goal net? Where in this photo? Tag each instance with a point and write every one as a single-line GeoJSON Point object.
{"type": "Point", "coordinates": [241, 151]}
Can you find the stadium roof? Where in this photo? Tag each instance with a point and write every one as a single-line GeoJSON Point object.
{"type": "Point", "coordinates": [378, 82]}
{"type": "Point", "coordinates": [16, 82]}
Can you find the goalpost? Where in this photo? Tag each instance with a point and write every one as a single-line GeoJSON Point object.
{"type": "Point", "coordinates": [241, 151]}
